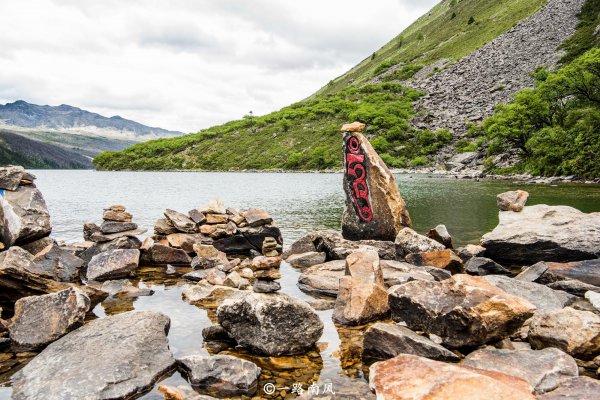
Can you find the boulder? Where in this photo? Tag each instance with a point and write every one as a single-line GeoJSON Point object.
{"type": "Point", "coordinates": [469, 251]}
{"type": "Point", "coordinates": [374, 207]}
{"type": "Point", "coordinates": [109, 358]}
{"type": "Point", "coordinates": [305, 260]}
{"type": "Point", "coordinates": [89, 228]}
{"type": "Point", "coordinates": [11, 176]}
{"type": "Point", "coordinates": [256, 217]}
{"type": "Point", "coordinates": [57, 264]}
{"type": "Point", "coordinates": [197, 275]}
{"type": "Point", "coordinates": [543, 369]}
{"type": "Point", "coordinates": [574, 287]}
{"type": "Point", "coordinates": [512, 201]}
{"type": "Point", "coordinates": [440, 234]}
{"type": "Point", "coordinates": [39, 320]}
{"type": "Point", "coordinates": [221, 375]}
{"type": "Point", "coordinates": [573, 331]}
{"type": "Point", "coordinates": [544, 233]}
{"type": "Point", "coordinates": [270, 324]}
{"type": "Point", "coordinates": [443, 259]}
{"type": "Point", "coordinates": [181, 222]}
{"type": "Point", "coordinates": [484, 266]}
{"type": "Point", "coordinates": [542, 297]}
{"type": "Point", "coordinates": [216, 218]}
{"type": "Point", "coordinates": [463, 310]}
{"type": "Point", "coordinates": [408, 241]}
{"type": "Point", "coordinates": [360, 301]}
{"type": "Point", "coordinates": [383, 341]}
{"type": "Point", "coordinates": [532, 273]}
{"type": "Point", "coordinates": [575, 388]}
{"type": "Point", "coordinates": [417, 378]}
{"type": "Point", "coordinates": [584, 271]}
{"type": "Point", "coordinates": [113, 264]}
{"type": "Point", "coordinates": [398, 272]}
{"type": "Point", "coordinates": [24, 216]}
{"type": "Point", "coordinates": [208, 256]}
{"type": "Point", "coordinates": [161, 254]}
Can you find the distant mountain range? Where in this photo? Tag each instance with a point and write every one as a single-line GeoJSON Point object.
{"type": "Point", "coordinates": [22, 115]}
{"type": "Point", "coordinates": [65, 136]}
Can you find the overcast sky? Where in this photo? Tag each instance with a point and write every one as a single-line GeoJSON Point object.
{"type": "Point", "coordinates": [187, 64]}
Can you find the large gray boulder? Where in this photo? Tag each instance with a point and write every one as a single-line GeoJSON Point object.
{"type": "Point", "coordinates": [113, 264]}
{"type": "Point", "coordinates": [24, 216]}
{"type": "Point", "coordinates": [221, 375]}
{"type": "Point", "coordinates": [383, 341]}
{"type": "Point", "coordinates": [543, 369]}
{"type": "Point", "coordinates": [270, 324]}
{"type": "Point", "coordinates": [544, 233]}
{"type": "Point", "coordinates": [109, 358]}
{"type": "Point", "coordinates": [40, 320]}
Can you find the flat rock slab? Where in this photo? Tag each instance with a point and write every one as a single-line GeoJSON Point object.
{"type": "Point", "coordinates": [58, 264]}
{"type": "Point", "coordinates": [109, 358]}
{"type": "Point", "coordinates": [221, 375]}
{"type": "Point", "coordinates": [584, 271]}
{"type": "Point", "coordinates": [417, 378]}
{"type": "Point", "coordinates": [544, 233]}
{"type": "Point", "coordinates": [543, 369]}
{"type": "Point", "coordinates": [271, 324]}
{"type": "Point", "coordinates": [40, 320]}
{"type": "Point", "coordinates": [113, 264]}
{"type": "Point", "coordinates": [383, 341]}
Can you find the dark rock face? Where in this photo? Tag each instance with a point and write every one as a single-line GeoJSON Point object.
{"type": "Point", "coordinates": [221, 375]}
{"type": "Point", "coordinates": [24, 216]}
{"type": "Point", "coordinates": [383, 341]}
{"type": "Point", "coordinates": [544, 233]}
{"type": "Point", "coordinates": [374, 208]}
{"type": "Point", "coordinates": [270, 324]}
{"type": "Point", "coordinates": [113, 264]}
{"type": "Point", "coordinates": [463, 310]}
{"type": "Point", "coordinates": [543, 369]}
{"type": "Point", "coordinates": [573, 331]}
{"type": "Point", "coordinates": [584, 271]}
{"type": "Point", "coordinates": [40, 320]}
{"type": "Point", "coordinates": [161, 254]}
{"type": "Point", "coordinates": [575, 388]}
{"type": "Point", "coordinates": [248, 239]}
{"type": "Point", "coordinates": [58, 264]}
{"type": "Point", "coordinates": [542, 297]}
{"type": "Point", "coordinates": [109, 358]}
{"type": "Point", "coordinates": [484, 266]}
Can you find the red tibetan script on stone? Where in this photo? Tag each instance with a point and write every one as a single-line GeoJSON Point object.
{"type": "Point", "coordinates": [356, 175]}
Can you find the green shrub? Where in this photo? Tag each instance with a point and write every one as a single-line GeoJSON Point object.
{"type": "Point", "coordinates": [419, 161]}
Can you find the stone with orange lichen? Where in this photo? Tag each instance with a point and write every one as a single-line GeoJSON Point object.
{"type": "Point", "coordinates": [444, 259]}
{"type": "Point", "coordinates": [409, 377]}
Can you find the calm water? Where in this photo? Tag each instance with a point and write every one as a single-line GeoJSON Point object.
{"type": "Point", "coordinates": [299, 203]}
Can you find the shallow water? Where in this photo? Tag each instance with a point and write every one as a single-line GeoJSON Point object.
{"type": "Point", "coordinates": [299, 203]}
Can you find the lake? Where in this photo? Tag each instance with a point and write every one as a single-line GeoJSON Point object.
{"type": "Point", "coordinates": [299, 203]}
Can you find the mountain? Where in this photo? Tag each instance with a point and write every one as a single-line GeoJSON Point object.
{"type": "Point", "coordinates": [433, 91]}
{"type": "Point", "coordinates": [21, 115]}
{"type": "Point", "coordinates": [18, 150]}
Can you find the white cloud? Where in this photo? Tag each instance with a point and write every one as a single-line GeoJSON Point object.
{"type": "Point", "coordinates": [187, 64]}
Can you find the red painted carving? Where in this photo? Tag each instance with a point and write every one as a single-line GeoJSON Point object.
{"type": "Point", "coordinates": [356, 175]}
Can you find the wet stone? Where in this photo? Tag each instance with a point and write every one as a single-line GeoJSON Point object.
{"type": "Point", "coordinates": [264, 286]}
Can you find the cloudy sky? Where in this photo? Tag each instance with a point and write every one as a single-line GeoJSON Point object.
{"type": "Point", "coordinates": [187, 64]}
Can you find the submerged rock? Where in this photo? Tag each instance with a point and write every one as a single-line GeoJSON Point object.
{"type": "Point", "coordinates": [383, 341]}
{"type": "Point", "coordinates": [543, 369]}
{"type": "Point", "coordinates": [573, 331]}
{"type": "Point", "coordinates": [418, 378]}
{"type": "Point", "coordinates": [207, 293]}
{"type": "Point", "coordinates": [113, 264]}
{"type": "Point", "coordinates": [24, 216]}
{"type": "Point", "coordinates": [221, 375]}
{"type": "Point", "coordinates": [40, 320]}
{"type": "Point", "coordinates": [463, 310]}
{"type": "Point", "coordinates": [374, 207]}
{"type": "Point", "coordinates": [512, 201]}
{"type": "Point", "coordinates": [544, 233]}
{"type": "Point", "coordinates": [271, 324]}
{"type": "Point", "coordinates": [109, 358]}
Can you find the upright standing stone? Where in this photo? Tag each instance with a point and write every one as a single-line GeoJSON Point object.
{"type": "Point", "coordinates": [374, 208]}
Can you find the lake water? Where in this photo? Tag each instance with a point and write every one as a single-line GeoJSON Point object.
{"type": "Point", "coordinates": [298, 203]}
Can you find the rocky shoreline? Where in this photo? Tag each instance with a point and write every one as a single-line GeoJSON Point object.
{"type": "Point", "coordinates": [517, 316]}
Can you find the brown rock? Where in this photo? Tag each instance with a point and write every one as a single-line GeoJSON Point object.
{"type": "Point", "coordinates": [408, 241]}
{"type": "Point", "coordinates": [186, 241]}
{"type": "Point", "coordinates": [463, 310]}
{"type": "Point", "coordinates": [353, 127]}
{"type": "Point", "coordinates": [268, 274]}
{"type": "Point", "coordinates": [305, 260]}
{"type": "Point", "coordinates": [256, 217]}
{"type": "Point", "coordinates": [118, 216]}
{"type": "Point", "coordinates": [116, 227]}
{"type": "Point", "coordinates": [573, 331]}
{"type": "Point", "coordinates": [469, 251]}
{"type": "Point", "coordinates": [217, 218]}
{"type": "Point", "coordinates": [409, 377]}
{"type": "Point", "coordinates": [364, 265]}
{"type": "Point", "coordinates": [512, 201]}
{"type": "Point", "coordinates": [116, 207]}
{"type": "Point", "coordinates": [24, 216]}
{"type": "Point", "coordinates": [11, 176]}
{"type": "Point", "coordinates": [197, 216]}
{"type": "Point", "coordinates": [440, 234]}
{"type": "Point", "coordinates": [444, 259]}
{"type": "Point", "coordinates": [113, 264]}
{"type": "Point", "coordinates": [181, 221]}
{"type": "Point", "coordinates": [100, 237]}
{"type": "Point", "coordinates": [322, 279]}
{"type": "Point", "coordinates": [215, 206]}
{"type": "Point", "coordinates": [163, 226]}
{"type": "Point", "coordinates": [171, 393]}
{"type": "Point", "coordinates": [574, 389]}
{"type": "Point", "coordinates": [584, 271]}
{"type": "Point", "coordinates": [161, 254]}
{"type": "Point", "coordinates": [374, 208]}
{"type": "Point", "coordinates": [359, 302]}
{"type": "Point", "coordinates": [208, 256]}
{"type": "Point", "coordinates": [263, 262]}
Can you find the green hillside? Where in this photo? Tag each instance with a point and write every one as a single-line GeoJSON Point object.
{"type": "Point", "coordinates": [306, 135]}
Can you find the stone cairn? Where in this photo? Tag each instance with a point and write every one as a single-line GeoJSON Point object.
{"type": "Point", "coordinates": [224, 246]}
{"type": "Point", "coordinates": [117, 223]}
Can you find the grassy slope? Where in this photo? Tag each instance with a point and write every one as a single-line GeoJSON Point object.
{"type": "Point", "coordinates": [306, 135]}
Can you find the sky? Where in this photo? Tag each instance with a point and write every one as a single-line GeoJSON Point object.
{"type": "Point", "coordinates": [187, 64]}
